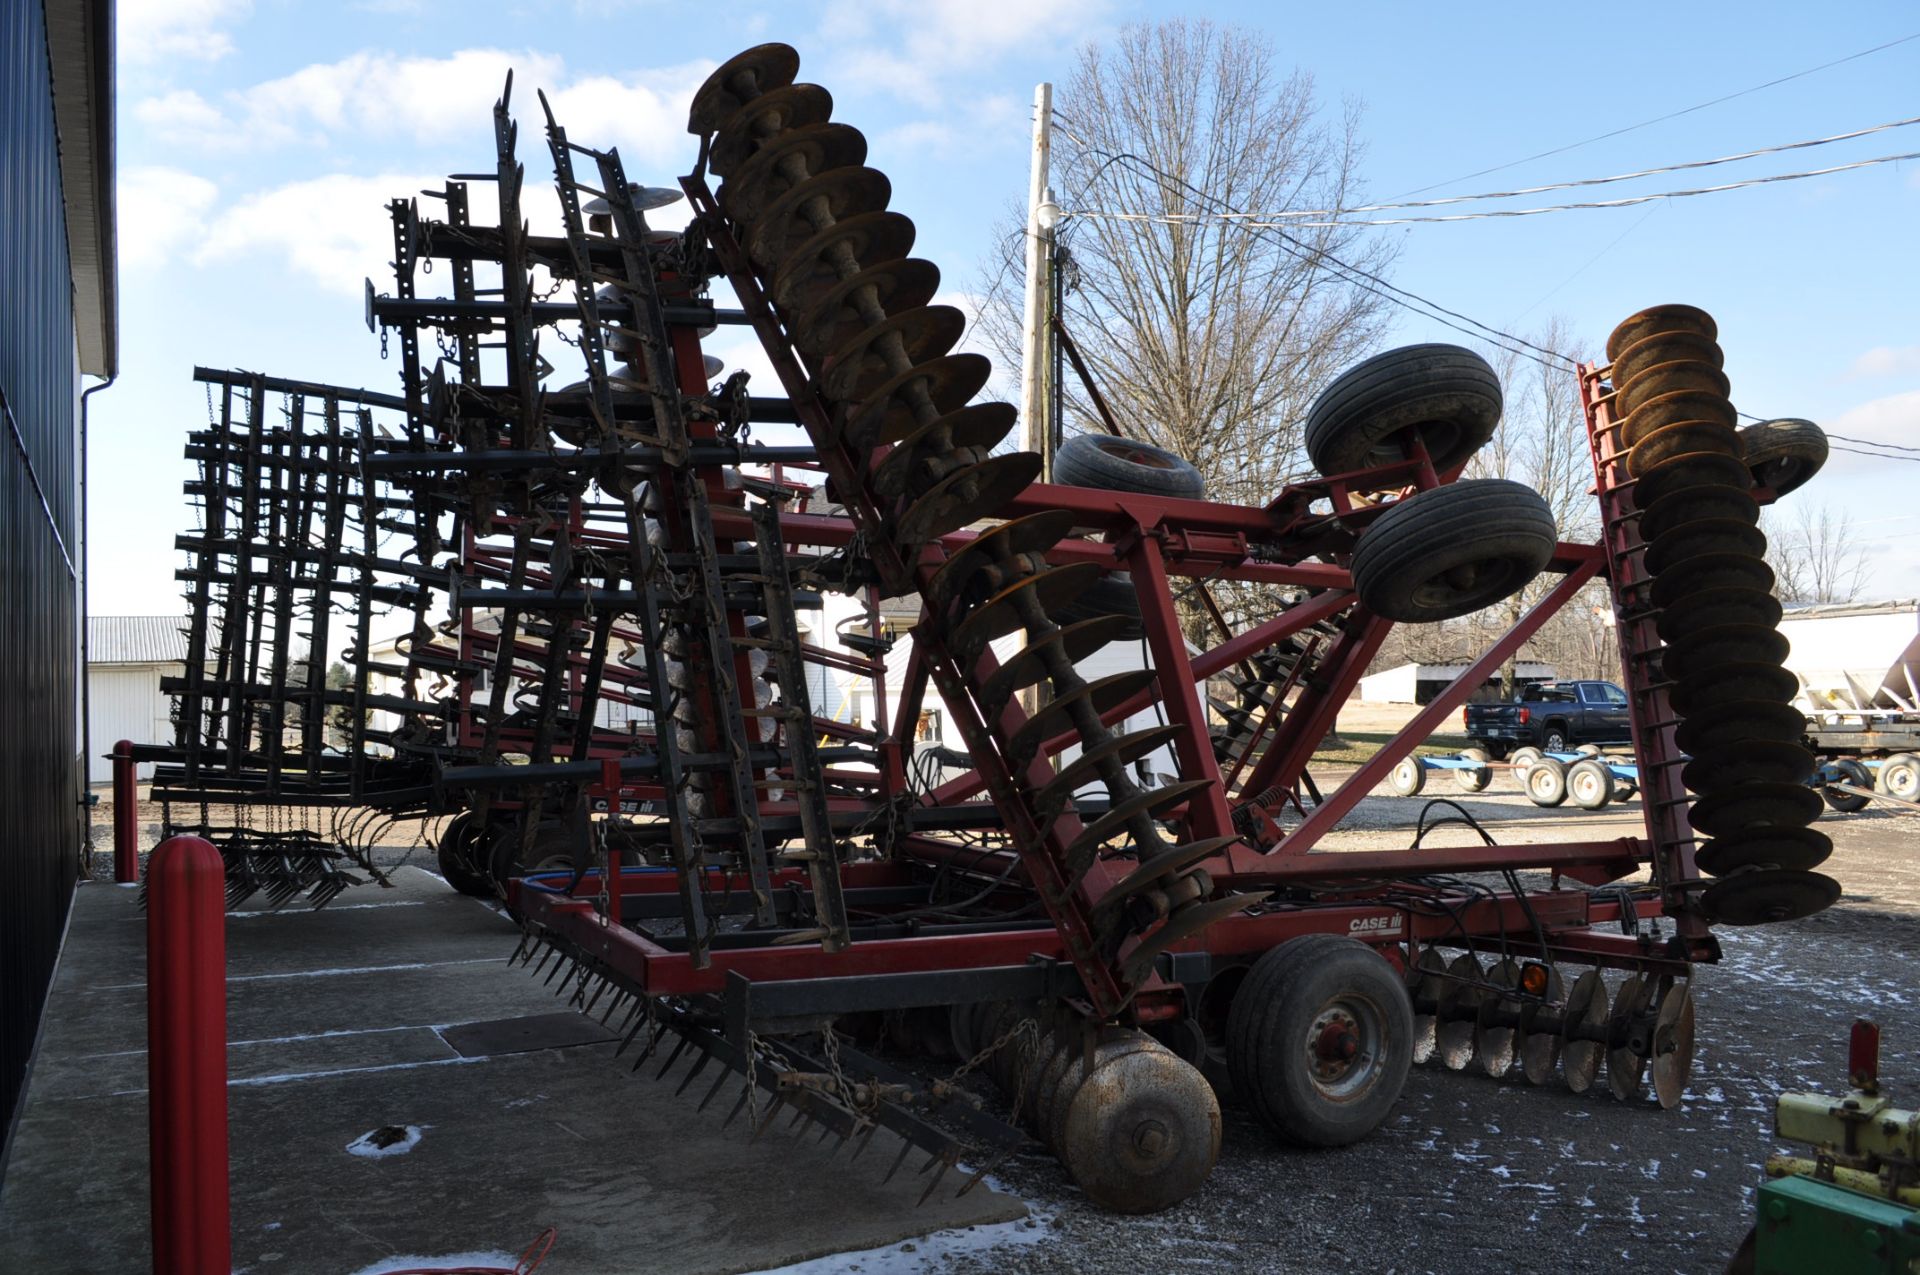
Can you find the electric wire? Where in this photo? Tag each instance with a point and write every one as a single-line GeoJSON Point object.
{"type": "Point", "coordinates": [1252, 220]}
{"type": "Point", "coordinates": [1671, 115]}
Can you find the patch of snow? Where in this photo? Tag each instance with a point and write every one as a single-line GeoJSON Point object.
{"type": "Point", "coordinates": [412, 1261]}
{"type": "Point", "coordinates": [378, 1144]}
{"type": "Point", "coordinates": [926, 1253]}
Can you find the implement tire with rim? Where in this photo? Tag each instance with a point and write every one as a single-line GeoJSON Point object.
{"type": "Point", "coordinates": [1783, 454]}
{"type": "Point", "coordinates": [1479, 775]}
{"type": "Point", "coordinates": [1445, 396]}
{"type": "Point", "coordinates": [1450, 551]}
{"type": "Point", "coordinates": [463, 856]}
{"type": "Point", "coordinates": [1120, 464]}
{"type": "Point", "coordinates": [1590, 784]}
{"type": "Point", "coordinates": [1320, 1039]}
{"type": "Point", "coordinates": [1900, 777]}
{"type": "Point", "coordinates": [1546, 782]}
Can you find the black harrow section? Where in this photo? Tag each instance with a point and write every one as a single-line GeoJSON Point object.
{"type": "Point", "coordinates": [1710, 591]}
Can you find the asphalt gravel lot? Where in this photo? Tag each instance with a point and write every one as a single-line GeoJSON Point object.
{"type": "Point", "coordinates": [1473, 1174]}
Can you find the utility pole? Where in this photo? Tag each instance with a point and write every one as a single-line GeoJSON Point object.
{"type": "Point", "coordinates": [1035, 346]}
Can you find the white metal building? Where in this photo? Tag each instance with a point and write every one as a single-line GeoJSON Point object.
{"type": "Point", "coordinates": [1419, 683]}
{"type": "Point", "coordinates": [127, 655]}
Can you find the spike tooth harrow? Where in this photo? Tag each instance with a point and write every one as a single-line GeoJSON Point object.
{"type": "Point", "coordinates": [622, 683]}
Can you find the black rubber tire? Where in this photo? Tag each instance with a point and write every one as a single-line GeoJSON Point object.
{"type": "Point", "coordinates": [461, 854]}
{"type": "Point", "coordinates": [1555, 739]}
{"type": "Point", "coordinates": [1783, 454]}
{"type": "Point", "coordinates": [1120, 464]}
{"type": "Point", "coordinates": [553, 849]}
{"type": "Point", "coordinates": [1477, 779]}
{"type": "Point", "coordinates": [1859, 776]}
{"type": "Point", "coordinates": [1546, 782]}
{"type": "Point", "coordinates": [1446, 394]}
{"type": "Point", "coordinates": [1111, 594]}
{"type": "Point", "coordinates": [1450, 551]}
{"type": "Point", "coordinates": [1275, 1009]}
{"type": "Point", "coordinates": [1625, 791]}
{"type": "Point", "coordinates": [1522, 759]}
{"type": "Point", "coordinates": [1900, 777]}
{"type": "Point", "coordinates": [1408, 777]}
{"type": "Point", "coordinates": [1590, 784]}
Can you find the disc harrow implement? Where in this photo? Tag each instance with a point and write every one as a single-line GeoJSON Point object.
{"type": "Point", "coordinates": [799, 756]}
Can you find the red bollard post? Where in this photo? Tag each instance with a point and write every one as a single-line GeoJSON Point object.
{"type": "Point", "coordinates": [187, 1058]}
{"type": "Point", "coordinates": [126, 814]}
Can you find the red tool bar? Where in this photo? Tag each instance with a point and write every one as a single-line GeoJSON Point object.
{"type": "Point", "coordinates": [187, 1058]}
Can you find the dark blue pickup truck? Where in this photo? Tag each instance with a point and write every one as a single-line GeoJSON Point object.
{"type": "Point", "coordinates": [1553, 716]}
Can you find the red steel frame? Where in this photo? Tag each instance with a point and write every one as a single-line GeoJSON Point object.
{"type": "Point", "coordinates": [1161, 540]}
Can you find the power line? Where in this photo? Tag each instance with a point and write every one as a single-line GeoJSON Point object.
{"type": "Point", "coordinates": [1661, 119]}
{"type": "Point", "coordinates": [1373, 283]}
{"type": "Point", "coordinates": [1868, 442]}
{"type": "Point", "coordinates": [1595, 181]}
{"type": "Point", "coordinates": [1629, 201]}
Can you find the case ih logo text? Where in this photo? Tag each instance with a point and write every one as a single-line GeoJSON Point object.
{"type": "Point", "coordinates": [1375, 926]}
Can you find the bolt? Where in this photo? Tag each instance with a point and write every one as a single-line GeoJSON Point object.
{"type": "Point", "coordinates": [1150, 1139]}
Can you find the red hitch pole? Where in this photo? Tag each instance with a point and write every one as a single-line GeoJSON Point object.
{"type": "Point", "coordinates": [126, 815]}
{"type": "Point", "coordinates": [187, 1058]}
{"type": "Point", "coordinates": [1863, 1055]}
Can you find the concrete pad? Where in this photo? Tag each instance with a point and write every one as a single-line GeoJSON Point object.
{"type": "Point", "coordinates": [341, 1026]}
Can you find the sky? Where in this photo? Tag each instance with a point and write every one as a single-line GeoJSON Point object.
{"type": "Point", "coordinates": [260, 139]}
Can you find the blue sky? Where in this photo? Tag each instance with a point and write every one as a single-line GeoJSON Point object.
{"type": "Point", "coordinates": [259, 140]}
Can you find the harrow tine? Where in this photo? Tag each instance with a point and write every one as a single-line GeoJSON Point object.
{"type": "Point", "coordinates": [746, 1091]}
{"type": "Point", "coordinates": [946, 1163]}
{"type": "Point", "coordinates": [979, 1175]}
{"type": "Point", "coordinates": [522, 946]}
{"type": "Point", "coordinates": [898, 1160]}
{"type": "Point", "coordinates": [866, 1140]}
{"type": "Point", "coordinates": [547, 951]}
{"type": "Point", "coordinates": [699, 1065]}
{"type": "Point", "coordinates": [628, 1040]}
{"type": "Point", "coordinates": [673, 1057]}
{"type": "Point", "coordinates": [773, 1110]}
{"type": "Point", "coordinates": [718, 1081]}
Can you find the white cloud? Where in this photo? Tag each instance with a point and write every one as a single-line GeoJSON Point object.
{"type": "Point", "coordinates": [163, 30]}
{"type": "Point", "coordinates": [333, 229]}
{"type": "Point", "coordinates": [907, 46]}
{"type": "Point", "coordinates": [161, 210]}
{"type": "Point", "coordinates": [1893, 419]}
{"type": "Point", "coordinates": [380, 97]}
{"type": "Point", "coordinates": [1886, 360]}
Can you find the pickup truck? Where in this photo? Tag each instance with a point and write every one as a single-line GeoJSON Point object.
{"type": "Point", "coordinates": [1555, 717]}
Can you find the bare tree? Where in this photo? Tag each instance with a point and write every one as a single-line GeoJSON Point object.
{"type": "Point", "coordinates": [1542, 442]}
{"type": "Point", "coordinates": [1207, 338]}
{"type": "Point", "coordinates": [1815, 554]}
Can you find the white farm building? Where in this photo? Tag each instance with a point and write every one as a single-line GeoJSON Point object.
{"type": "Point", "coordinates": [127, 655]}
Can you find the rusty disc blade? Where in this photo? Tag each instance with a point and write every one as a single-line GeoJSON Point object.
{"type": "Point", "coordinates": [1671, 409]}
{"type": "Point", "coordinates": [1142, 1132]}
{"type": "Point", "coordinates": [1669, 378]}
{"type": "Point", "coordinates": [1493, 1042]}
{"type": "Point", "coordinates": [1703, 536]}
{"type": "Point", "coordinates": [1540, 1050]}
{"type": "Point", "coordinates": [1714, 609]}
{"type": "Point", "coordinates": [788, 222]}
{"type": "Point", "coordinates": [1710, 571]}
{"type": "Point", "coordinates": [869, 359]}
{"type": "Point", "coordinates": [1460, 1015]}
{"type": "Point", "coordinates": [968, 495]}
{"type": "Point", "coordinates": [1056, 715]}
{"type": "Point", "coordinates": [1149, 801]}
{"type": "Point", "coordinates": [1724, 644]}
{"type": "Point", "coordinates": [1167, 863]}
{"type": "Point", "coordinates": [1586, 1008]}
{"type": "Point", "coordinates": [1661, 318]}
{"type": "Point", "coordinates": [977, 425]}
{"type": "Point", "coordinates": [1182, 925]}
{"type": "Point", "coordinates": [1688, 472]}
{"type": "Point", "coordinates": [1000, 614]}
{"type": "Point", "coordinates": [795, 106]}
{"type": "Point", "coordinates": [737, 81]}
{"type": "Point", "coordinates": [1121, 750]}
{"type": "Point", "coordinates": [891, 412]}
{"type": "Point", "coordinates": [1795, 849]}
{"type": "Point", "coordinates": [1713, 769]}
{"type": "Point", "coordinates": [767, 175]}
{"type": "Point", "coordinates": [842, 250]}
{"type": "Point", "coordinates": [1730, 723]}
{"type": "Point", "coordinates": [1673, 1046]}
{"type": "Point", "coordinates": [1680, 439]}
{"type": "Point", "coordinates": [1109, 1043]}
{"type": "Point", "coordinates": [1664, 515]}
{"type": "Point", "coordinates": [1027, 666]}
{"type": "Point", "coordinates": [1035, 533]}
{"type": "Point", "coordinates": [1766, 895]}
{"type": "Point", "coordinates": [1670, 346]}
{"type": "Point", "coordinates": [830, 318]}
{"type": "Point", "coordinates": [1755, 805]}
{"type": "Point", "coordinates": [1429, 988]}
{"type": "Point", "coordinates": [1627, 1060]}
{"type": "Point", "coordinates": [1732, 683]}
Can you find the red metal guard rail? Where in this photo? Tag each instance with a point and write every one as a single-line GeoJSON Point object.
{"type": "Point", "coordinates": [187, 1058]}
{"type": "Point", "coordinates": [126, 814]}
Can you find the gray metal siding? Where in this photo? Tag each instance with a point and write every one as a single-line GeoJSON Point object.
{"type": "Point", "coordinates": [40, 774]}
